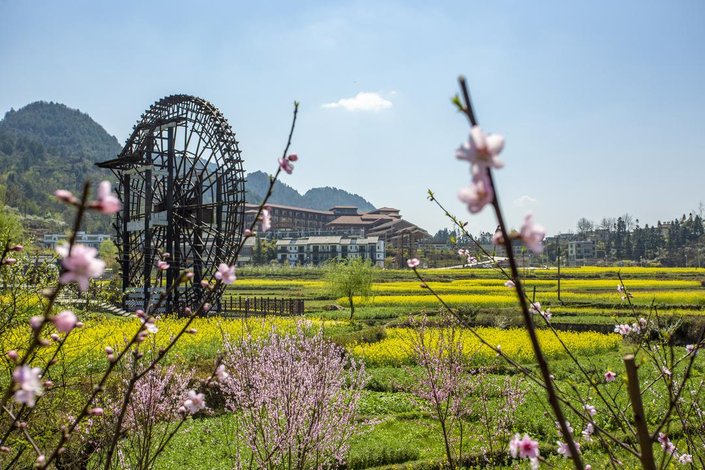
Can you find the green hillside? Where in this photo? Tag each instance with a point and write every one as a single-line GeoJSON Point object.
{"type": "Point", "coordinates": [46, 146]}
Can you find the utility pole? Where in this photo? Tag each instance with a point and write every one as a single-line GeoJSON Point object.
{"type": "Point", "coordinates": [558, 243]}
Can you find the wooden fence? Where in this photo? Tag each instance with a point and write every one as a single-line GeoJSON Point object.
{"type": "Point", "coordinates": [231, 305]}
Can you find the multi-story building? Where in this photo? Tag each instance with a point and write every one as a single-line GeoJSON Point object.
{"type": "Point", "coordinates": [291, 221]}
{"type": "Point", "coordinates": [94, 240]}
{"type": "Point", "coordinates": [581, 250]}
{"type": "Point", "coordinates": [319, 249]}
{"type": "Point", "coordinates": [384, 222]}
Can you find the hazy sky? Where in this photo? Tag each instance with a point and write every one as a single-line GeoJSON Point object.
{"type": "Point", "coordinates": [601, 102]}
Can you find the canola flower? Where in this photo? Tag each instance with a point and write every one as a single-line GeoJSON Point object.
{"type": "Point", "coordinates": [85, 347]}
{"type": "Point", "coordinates": [396, 348]}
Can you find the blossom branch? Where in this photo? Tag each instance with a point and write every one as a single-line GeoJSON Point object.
{"type": "Point", "coordinates": [540, 358]}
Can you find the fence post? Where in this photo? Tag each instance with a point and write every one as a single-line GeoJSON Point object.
{"type": "Point", "coordinates": [247, 306]}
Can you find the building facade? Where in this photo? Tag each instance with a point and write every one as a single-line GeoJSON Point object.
{"type": "Point", "coordinates": [316, 250]}
{"type": "Point", "coordinates": [50, 240]}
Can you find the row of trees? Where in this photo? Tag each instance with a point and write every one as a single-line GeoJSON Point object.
{"type": "Point", "coordinates": [680, 242]}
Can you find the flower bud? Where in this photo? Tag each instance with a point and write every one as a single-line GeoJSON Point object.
{"type": "Point", "coordinates": [192, 331]}
{"type": "Point", "coordinates": [96, 411]}
{"type": "Point", "coordinates": [12, 354]}
{"type": "Point", "coordinates": [17, 248]}
{"type": "Point", "coordinates": [36, 322]}
{"type": "Point", "coordinates": [65, 321]}
{"type": "Point", "coordinates": [55, 337]}
{"type": "Point", "coordinates": [9, 261]}
{"type": "Point", "coordinates": [109, 350]}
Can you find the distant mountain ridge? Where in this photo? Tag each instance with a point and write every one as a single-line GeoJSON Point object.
{"type": "Point", "coordinates": [315, 198]}
{"type": "Point", "coordinates": [46, 146]}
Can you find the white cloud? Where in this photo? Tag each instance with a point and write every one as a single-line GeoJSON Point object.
{"type": "Point", "coordinates": [363, 101]}
{"type": "Point", "coordinates": [524, 201]}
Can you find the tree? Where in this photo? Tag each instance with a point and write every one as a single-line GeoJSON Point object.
{"type": "Point", "coordinates": [10, 228]}
{"type": "Point", "coordinates": [349, 278]}
{"type": "Point", "coordinates": [585, 226]}
{"type": "Point", "coordinates": [108, 252]}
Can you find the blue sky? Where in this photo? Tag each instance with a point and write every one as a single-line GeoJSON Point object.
{"type": "Point", "coordinates": [601, 103]}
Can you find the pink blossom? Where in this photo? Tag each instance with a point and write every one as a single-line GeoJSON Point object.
{"type": "Point", "coordinates": [149, 325]}
{"type": "Point", "coordinates": [107, 203]}
{"type": "Point", "coordinates": [482, 150]}
{"type": "Point", "coordinates": [66, 196]}
{"type": "Point", "coordinates": [65, 321]}
{"type": "Point", "coordinates": [413, 262]}
{"type": "Point", "coordinates": [478, 194]}
{"type": "Point", "coordinates": [266, 219]}
{"type": "Point", "coordinates": [81, 265]}
{"type": "Point", "coordinates": [303, 390]}
{"type": "Point", "coordinates": [610, 376]}
{"type": "Point", "coordinates": [28, 384]}
{"type": "Point", "coordinates": [9, 261]}
{"type": "Point", "coordinates": [195, 402]}
{"type": "Point", "coordinates": [564, 450]}
{"type": "Point", "coordinates": [685, 459]}
{"type": "Point", "coordinates": [592, 411]}
{"type": "Point", "coordinates": [36, 322]}
{"type": "Point", "coordinates": [532, 234]}
{"type": "Point", "coordinates": [293, 157]}
{"type": "Point", "coordinates": [623, 330]}
{"type": "Point", "coordinates": [96, 411]}
{"type": "Point", "coordinates": [13, 355]}
{"type": "Point", "coordinates": [588, 431]}
{"type": "Point", "coordinates": [17, 248]}
{"type": "Point", "coordinates": [525, 448]}
{"type": "Point", "coordinates": [567, 424]}
{"type": "Point", "coordinates": [221, 373]}
{"type": "Point", "coordinates": [162, 265]}
{"type": "Point", "coordinates": [205, 284]}
{"type": "Point", "coordinates": [689, 348]}
{"type": "Point", "coordinates": [206, 307]}
{"type": "Point", "coordinates": [248, 232]}
{"type": "Point", "coordinates": [663, 439]}
{"type": "Point", "coordinates": [286, 165]}
{"type": "Point", "coordinates": [55, 337]}
{"type": "Point", "coordinates": [666, 371]}
{"type": "Point", "coordinates": [226, 273]}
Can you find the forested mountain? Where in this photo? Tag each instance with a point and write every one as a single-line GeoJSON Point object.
{"type": "Point", "coordinates": [316, 198]}
{"type": "Point", "coordinates": [46, 146]}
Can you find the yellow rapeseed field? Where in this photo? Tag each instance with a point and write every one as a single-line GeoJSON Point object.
{"type": "Point", "coordinates": [396, 348]}
{"type": "Point", "coordinates": [85, 346]}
